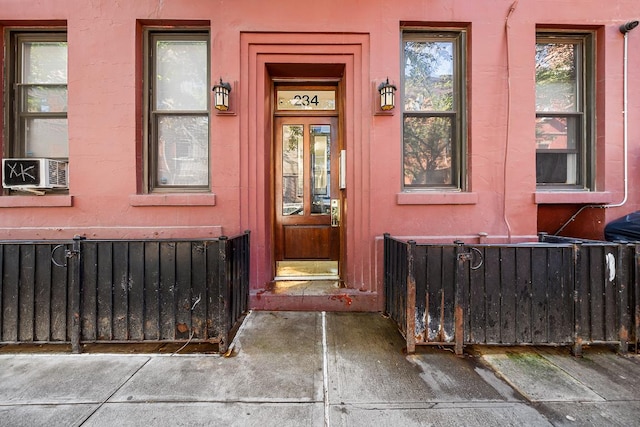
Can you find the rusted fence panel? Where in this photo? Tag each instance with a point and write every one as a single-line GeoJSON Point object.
{"type": "Point", "coordinates": [395, 281]}
{"type": "Point", "coordinates": [563, 292]}
{"type": "Point", "coordinates": [606, 289]}
{"type": "Point", "coordinates": [521, 295]}
{"type": "Point", "coordinates": [123, 291]}
{"type": "Point", "coordinates": [435, 277]}
{"type": "Point", "coordinates": [33, 294]}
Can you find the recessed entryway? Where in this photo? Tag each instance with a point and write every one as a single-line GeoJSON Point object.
{"type": "Point", "coordinates": [307, 192]}
{"type": "Point", "coordinates": [307, 62]}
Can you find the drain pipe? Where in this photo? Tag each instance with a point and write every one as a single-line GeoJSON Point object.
{"type": "Point", "coordinates": [624, 29]}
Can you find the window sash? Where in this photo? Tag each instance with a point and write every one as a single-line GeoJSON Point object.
{"type": "Point", "coordinates": [429, 153]}
{"type": "Point", "coordinates": [564, 116]}
{"type": "Point", "coordinates": [434, 88]}
{"type": "Point", "coordinates": [39, 125]}
{"type": "Point", "coordinates": [433, 130]}
{"type": "Point", "coordinates": [178, 112]}
{"type": "Point", "coordinates": [182, 150]}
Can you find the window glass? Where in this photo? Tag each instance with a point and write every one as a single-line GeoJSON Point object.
{"type": "Point", "coordinates": [306, 99]}
{"type": "Point", "coordinates": [556, 77]}
{"type": "Point", "coordinates": [181, 75]}
{"type": "Point", "coordinates": [45, 99]}
{"type": "Point", "coordinates": [183, 150]}
{"type": "Point", "coordinates": [428, 76]}
{"type": "Point", "coordinates": [292, 170]}
{"type": "Point", "coordinates": [44, 62]}
{"type": "Point", "coordinates": [563, 110]}
{"type": "Point", "coordinates": [39, 91]}
{"type": "Point", "coordinates": [432, 102]}
{"type": "Point", "coordinates": [320, 169]}
{"type": "Point", "coordinates": [428, 150]}
{"type": "Point", "coordinates": [178, 122]}
{"type": "Point", "coordinates": [46, 137]}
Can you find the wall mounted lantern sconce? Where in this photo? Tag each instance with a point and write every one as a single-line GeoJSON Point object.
{"type": "Point", "coordinates": [221, 95]}
{"type": "Point", "coordinates": [387, 95]}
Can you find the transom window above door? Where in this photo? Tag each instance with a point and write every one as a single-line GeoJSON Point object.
{"type": "Point", "coordinates": [306, 100]}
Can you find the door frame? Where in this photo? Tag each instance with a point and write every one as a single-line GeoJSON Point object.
{"type": "Point", "coordinates": [341, 194]}
{"type": "Point", "coordinates": [341, 56]}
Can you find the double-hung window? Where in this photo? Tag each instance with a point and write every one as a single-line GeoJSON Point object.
{"type": "Point", "coordinates": [564, 111]}
{"type": "Point", "coordinates": [37, 73]}
{"type": "Point", "coordinates": [177, 149]}
{"type": "Point", "coordinates": [433, 110]}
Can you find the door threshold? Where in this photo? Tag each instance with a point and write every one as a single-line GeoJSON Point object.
{"type": "Point", "coordinates": [306, 270]}
{"type": "Point", "coordinates": [306, 278]}
{"type": "Point", "coordinates": [305, 287]}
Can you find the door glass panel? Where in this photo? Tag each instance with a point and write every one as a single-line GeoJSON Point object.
{"type": "Point", "coordinates": [320, 169]}
{"type": "Point", "coordinates": [292, 170]}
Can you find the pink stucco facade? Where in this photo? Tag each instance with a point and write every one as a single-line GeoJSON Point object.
{"type": "Point", "coordinates": [106, 199]}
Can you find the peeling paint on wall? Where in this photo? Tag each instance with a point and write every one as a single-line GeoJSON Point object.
{"type": "Point", "coordinates": [611, 266]}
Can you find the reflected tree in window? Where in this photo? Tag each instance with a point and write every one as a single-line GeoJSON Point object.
{"type": "Point", "coordinates": [429, 106]}
{"type": "Point", "coordinates": [561, 99]}
{"type": "Point", "coordinates": [556, 91]}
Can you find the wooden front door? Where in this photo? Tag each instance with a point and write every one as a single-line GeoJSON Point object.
{"type": "Point", "coordinates": [307, 193]}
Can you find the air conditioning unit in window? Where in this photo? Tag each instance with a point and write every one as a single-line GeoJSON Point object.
{"type": "Point", "coordinates": [26, 174]}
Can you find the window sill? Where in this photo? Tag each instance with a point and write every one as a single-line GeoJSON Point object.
{"type": "Point", "coordinates": [49, 201]}
{"type": "Point", "coordinates": [181, 199]}
{"type": "Point", "coordinates": [572, 197]}
{"type": "Point", "coordinates": [437, 198]}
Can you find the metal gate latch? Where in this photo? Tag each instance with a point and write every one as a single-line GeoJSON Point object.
{"type": "Point", "coordinates": [470, 256]}
{"type": "Point", "coordinates": [68, 253]}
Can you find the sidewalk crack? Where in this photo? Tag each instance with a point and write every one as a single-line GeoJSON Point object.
{"type": "Point", "coordinates": [101, 404]}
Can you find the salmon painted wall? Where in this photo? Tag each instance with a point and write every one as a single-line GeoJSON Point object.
{"type": "Point", "coordinates": [105, 130]}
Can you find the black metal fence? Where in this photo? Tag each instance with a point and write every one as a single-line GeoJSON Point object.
{"type": "Point", "coordinates": [86, 291]}
{"type": "Point", "coordinates": [556, 292]}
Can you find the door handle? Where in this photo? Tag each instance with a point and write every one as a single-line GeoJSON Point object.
{"type": "Point", "coordinates": [335, 212]}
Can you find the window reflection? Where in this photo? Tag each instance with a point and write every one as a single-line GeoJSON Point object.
{"type": "Point", "coordinates": [292, 170]}
{"type": "Point", "coordinates": [321, 169]}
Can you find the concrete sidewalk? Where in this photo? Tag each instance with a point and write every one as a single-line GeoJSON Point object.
{"type": "Point", "coordinates": [315, 369]}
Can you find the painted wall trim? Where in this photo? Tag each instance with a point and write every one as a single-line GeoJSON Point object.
{"type": "Point", "coordinates": [437, 198]}
{"type": "Point", "coordinates": [113, 232]}
{"type": "Point", "coordinates": [172, 200]}
{"type": "Point", "coordinates": [571, 197]}
{"type": "Point", "coordinates": [49, 201]}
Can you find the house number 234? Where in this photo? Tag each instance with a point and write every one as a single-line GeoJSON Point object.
{"type": "Point", "coordinates": [305, 100]}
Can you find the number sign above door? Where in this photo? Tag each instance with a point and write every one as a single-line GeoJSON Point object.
{"type": "Point", "coordinates": [295, 100]}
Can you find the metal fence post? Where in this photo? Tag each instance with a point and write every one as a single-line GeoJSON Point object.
{"type": "Point", "coordinates": [75, 293]}
{"type": "Point", "coordinates": [578, 284]}
{"type": "Point", "coordinates": [623, 276]}
{"type": "Point", "coordinates": [459, 300]}
{"type": "Point", "coordinates": [246, 270]}
{"type": "Point", "coordinates": [386, 274]}
{"type": "Point", "coordinates": [223, 294]}
{"type": "Point", "coordinates": [411, 297]}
